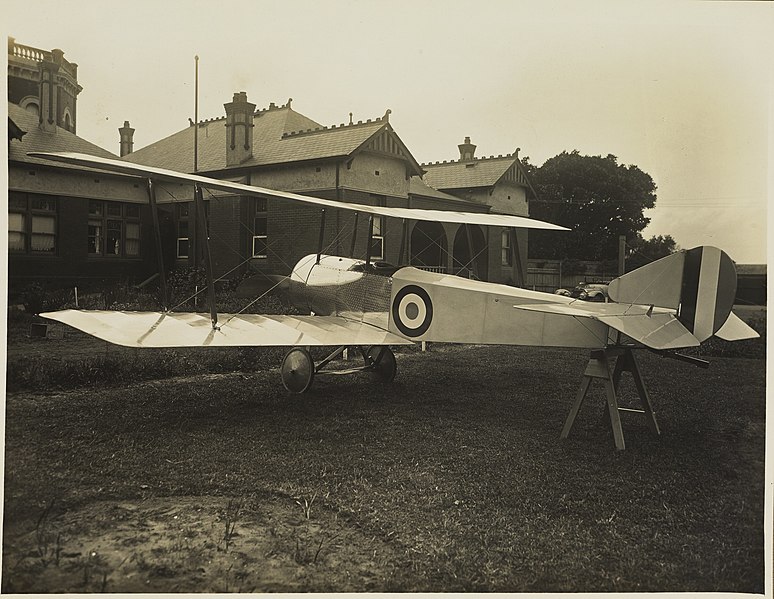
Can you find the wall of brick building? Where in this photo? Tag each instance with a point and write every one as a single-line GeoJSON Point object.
{"type": "Point", "coordinates": [19, 88]}
{"type": "Point", "coordinates": [507, 198]}
{"type": "Point", "coordinates": [72, 264]}
{"type": "Point", "coordinates": [362, 175]}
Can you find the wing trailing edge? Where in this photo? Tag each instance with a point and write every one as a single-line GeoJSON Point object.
{"type": "Point", "coordinates": [160, 174]}
{"type": "Point", "coordinates": [185, 329]}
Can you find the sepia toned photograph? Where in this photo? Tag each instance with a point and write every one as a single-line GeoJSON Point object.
{"type": "Point", "coordinates": [386, 297]}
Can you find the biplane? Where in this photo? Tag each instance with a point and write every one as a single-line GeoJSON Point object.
{"type": "Point", "coordinates": [673, 303]}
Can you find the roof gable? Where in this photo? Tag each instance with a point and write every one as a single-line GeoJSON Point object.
{"type": "Point", "coordinates": [280, 136]}
{"type": "Point", "coordinates": [34, 139]}
{"type": "Point", "coordinates": [479, 172]}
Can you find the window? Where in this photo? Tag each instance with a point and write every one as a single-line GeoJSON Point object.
{"type": "Point", "coordinates": [183, 236]}
{"type": "Point", "coordinates": [260, 229]}
{"type": "Point", "coordinates": [377, 239]}
{"type": "Point", "coordinates": [113, 229]}
{"type": "Point", "coordinates": [32, 223]}
{"type": "Point", "coordinates": [506, 255]}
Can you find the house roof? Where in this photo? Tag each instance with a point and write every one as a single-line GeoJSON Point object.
{"type": "Point", "coordinates": [751, 269]}
{"type": "Point", "coordinates": [417, 187]}
{"type": "Point", "coordinates": [280, 136]}
{"type": "Point", "coordinates": [35, 139]}
{"type": "Point", "coordinates": [479, 172]}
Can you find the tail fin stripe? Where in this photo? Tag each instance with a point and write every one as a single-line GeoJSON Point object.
{"type": "Point", "coordinates": [690, 288]}
{"type": "Point", "coordinates": [707, 293]}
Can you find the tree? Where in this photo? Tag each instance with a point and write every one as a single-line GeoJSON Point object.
{"type": "Point", "coordinates": [597, 198]}
{"type": "Point", "coordinates": [642, 251]}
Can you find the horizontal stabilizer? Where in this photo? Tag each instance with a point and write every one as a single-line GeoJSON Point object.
{"type": "Point", "coordinates": [735, 329]}
{"type": "Point", "coordinates": [181, 329]}
{"type": "Point", "coordinates": [656, 329]}
{"type": "Point", "coordinates": [160, 174]}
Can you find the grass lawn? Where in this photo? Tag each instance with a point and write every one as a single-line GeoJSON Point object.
{"type": "Point", "coordinates": [453, 478]}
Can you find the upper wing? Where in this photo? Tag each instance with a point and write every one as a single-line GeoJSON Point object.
{"type": "Point", "coordinates": [157, 329]}
{"type": "Point", "coordinates": [118, 166]}
{"type": "Point", "coordinates": [657, 329]}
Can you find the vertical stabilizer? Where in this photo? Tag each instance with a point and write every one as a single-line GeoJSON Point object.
{"type": "Point", "coordinates": [699, 283]}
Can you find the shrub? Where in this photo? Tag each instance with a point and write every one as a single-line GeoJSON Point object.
{"type": "Point", "coordinates": [37, 297]}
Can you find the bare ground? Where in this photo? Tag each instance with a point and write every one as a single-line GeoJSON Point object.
{"type": "Point", "coordinates": [451, 479]}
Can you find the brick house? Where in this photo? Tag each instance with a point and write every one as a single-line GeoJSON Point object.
{"type": "Point", "coordinates": [72, 225]}
{"type": "Point", "coordinates": [66, 225]}
{"type": "Point", "coordinates": [279, 148]}
{"type": "Point", "coordinates": [499, 182]}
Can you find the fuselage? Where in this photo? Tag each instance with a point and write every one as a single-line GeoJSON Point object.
{"type": "Point", "coordinates": [427, 306]}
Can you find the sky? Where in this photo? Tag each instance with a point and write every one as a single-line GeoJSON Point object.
{"type": "Point", "coordinates": [683, 90]}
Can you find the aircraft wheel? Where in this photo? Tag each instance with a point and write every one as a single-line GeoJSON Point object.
{"type": "Point", "coordinates": [297, 370]}
{"type": "Point", "coordinates": [382, 362]}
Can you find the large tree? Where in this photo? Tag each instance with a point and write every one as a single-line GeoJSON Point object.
{"type": "Point", "coordinates": [594, 196]}
{"type": "Point", "coordinates": [640, 251]}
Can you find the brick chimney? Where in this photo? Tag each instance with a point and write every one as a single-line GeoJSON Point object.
{"type": "Point", "coordinates": [127, 139]}
{"type": "Point", "coordinates": [467, 150]}
{"type": "Point", "coordinates": [239, 129]}
{"type": "Point", "coordinates": [49, 95]}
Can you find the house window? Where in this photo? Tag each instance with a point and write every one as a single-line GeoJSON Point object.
{"type": "Point", "coordinates": [377, 239]}
{"type": "Point", "coordinates": [260, 229]}
{"type": "Point", "coordinates": [506, 255]}
{"type": "Point", "coordinates": [183, 237]}
{"type": "Point", "coordinates": [113, 229]}
{"type": "Point", "coordinates": [32, 223]}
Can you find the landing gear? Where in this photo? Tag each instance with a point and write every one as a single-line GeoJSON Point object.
{"type": "Point", "coordinates": [380, 361]}
{"type": "Point", "coordinates": [298, 368]}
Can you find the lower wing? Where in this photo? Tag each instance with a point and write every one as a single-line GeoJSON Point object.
{"type": "Point", "coordinates": [185, 329]}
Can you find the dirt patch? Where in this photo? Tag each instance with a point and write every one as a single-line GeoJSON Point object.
{"type": "Point", "coordinates": [192, 544]}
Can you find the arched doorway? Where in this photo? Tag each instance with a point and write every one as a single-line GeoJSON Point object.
{"type": "Point", "coordinates": [428, 246]}
{"type": "Point", "coordinates": [471, 237]}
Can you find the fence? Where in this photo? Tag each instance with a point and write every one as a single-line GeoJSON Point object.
{"type": "Point", "coordinates": [550, 275]}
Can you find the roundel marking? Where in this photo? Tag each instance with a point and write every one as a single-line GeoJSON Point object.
{"type": "Point", "coordinates": [412, 311]}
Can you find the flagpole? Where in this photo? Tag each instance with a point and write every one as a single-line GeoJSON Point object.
{"type": "Point", "coordinates": [196, 117]}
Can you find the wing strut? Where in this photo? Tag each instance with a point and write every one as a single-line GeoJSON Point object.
{"type": "Point", "coordinates": [472, 266]}
{"type": "Point", "coordinates": [403, 238]}
{"type": "Point", "coordinates": [159, 253]}
{"type": "Point", "coordinates": [354, 238]}
{"type": "Point", "coordinates": [370, 238]}
{"type": "Point", "coordinates": [518, 272]}
{"type": "Point", "coordinates": [201, 218]}
{"type": "Point", "coordinates": [322, 233]}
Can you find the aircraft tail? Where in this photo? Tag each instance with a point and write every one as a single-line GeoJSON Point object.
{"type": "Point", "coordinates": [699, 283]}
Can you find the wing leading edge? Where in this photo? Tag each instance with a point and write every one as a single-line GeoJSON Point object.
{"type": "Point", "coordinates": [127, 168]}
{"type": "Point", "coordinates": [157, 329]}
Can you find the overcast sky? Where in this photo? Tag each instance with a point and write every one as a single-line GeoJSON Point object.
{"type": "Point", "coordinates": [682, 90]}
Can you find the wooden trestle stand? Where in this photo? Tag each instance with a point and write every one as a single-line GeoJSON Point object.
{"type": "Point", "coordinates": [599, 368]}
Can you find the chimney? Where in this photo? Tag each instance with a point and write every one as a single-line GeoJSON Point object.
{"type": "Point", "coordinates": [127, 139]}
{"type": "Point", "coordinates": [49, 95]}
{"type": "Point", "coordinates": [467, 150]}
{"type": "Point", "coordinates": [239, 129]}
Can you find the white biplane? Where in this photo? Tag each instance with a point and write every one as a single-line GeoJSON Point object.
{"type": "Point", "coordinates": [673, 303]}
